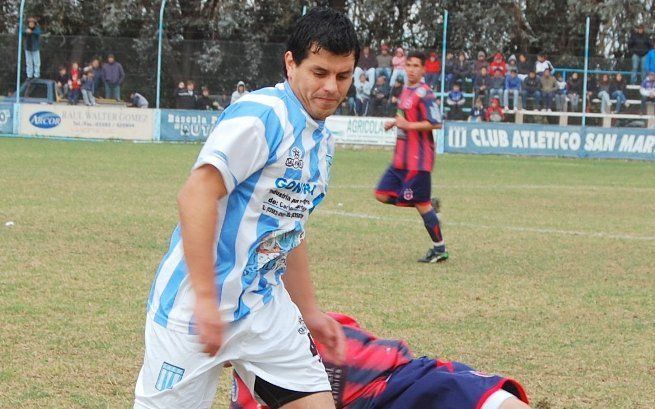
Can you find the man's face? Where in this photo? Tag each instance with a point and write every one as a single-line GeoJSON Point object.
{"type": "Point", "coordinates": [547, 73]}
{"type": "Point", "coordinates": [651, 76]}
{"type": "Point", "coordinates": [532, 75]}
{"type": "Point", "coordinates": [541, 58]}
{"type": "Point", "coordinates": [240, 89]}
{"type": "Point", "coordinates": [483, 71]}
{"type": "Point", "coordinates": [190, 86]}
{"type": "Point", "coordinates": [110, 60]}
{"type": "Point", "coordinates": [522, 58]}
{"type": "Point", "coordinates": [205, 92]}
{"type": "Point", "coordinates": [321, 81]}
{"type": "Point", "coordinates": [381, 80]}
{"type": "Point", "coordinates": [415, 70]}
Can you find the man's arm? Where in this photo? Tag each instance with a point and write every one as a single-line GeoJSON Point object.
{"type": "Point", "coordinates": [197, 203]}
{"type": "Point", "coordinates": [298, 283]}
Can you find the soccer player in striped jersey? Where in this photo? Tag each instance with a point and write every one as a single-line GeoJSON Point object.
{"type": "Point", "coordinates": [407, 181]}
{"type": "Point", "coordinates": [384, 374]}
{"type": "Point", "coordinates": [234, 286]}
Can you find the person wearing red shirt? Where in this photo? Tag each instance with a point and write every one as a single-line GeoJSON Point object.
{"type": "Point", "coordinates": [74, 83]}
{"type": "Point", "coordinates": [407, 182]}
{"type": "Point", "coordinates": [494, 113]}
{"type": "Point", "coordinates": [498, 64]}
{"type": "Point", "coordinates": [432, 70]}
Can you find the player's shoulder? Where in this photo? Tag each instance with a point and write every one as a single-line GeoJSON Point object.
{"type": "Point", "coordinates": [266, 104]}
{"type": "Point", "coordinates": [424, 91]}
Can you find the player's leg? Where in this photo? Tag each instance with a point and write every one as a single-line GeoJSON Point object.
{"type": "Point", "coordinates": [278, 361]}
{"type": "Point", "coordinates": [513, 403]}
{"type": "Point", "coordinates": [420, 187]}
{"type": "Point", "coordinates": [318, 400]}
{"type": "Point", "coordinates": [389, 186]}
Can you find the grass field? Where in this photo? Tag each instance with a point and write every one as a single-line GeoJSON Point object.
{"type": "Point", "coordinates": [551, 278]}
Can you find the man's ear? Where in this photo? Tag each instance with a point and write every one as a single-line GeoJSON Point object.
{"type": "Point", "coordinates": [290, 64]}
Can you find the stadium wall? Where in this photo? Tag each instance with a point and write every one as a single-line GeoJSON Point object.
{"type": "Point", "coordinates": [122, 123]}
{"type": "Point", "coordinates": [544, 140]}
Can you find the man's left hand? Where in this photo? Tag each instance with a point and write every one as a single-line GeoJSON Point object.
{"type": "Point", "coordinates": [330, 334]}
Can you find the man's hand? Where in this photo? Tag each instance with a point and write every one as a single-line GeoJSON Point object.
{"type": "Point", "coordinates": [330, 334]}
{"type": "Point", "coordinates": [389, 124]}
{"type": "Point", "coordinates": [403, 123]}
{"type": "Point", "coordinates": [209, 325]}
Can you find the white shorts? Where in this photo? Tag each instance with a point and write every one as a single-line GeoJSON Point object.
{"type": "Point", "coordinates": [271, 343]}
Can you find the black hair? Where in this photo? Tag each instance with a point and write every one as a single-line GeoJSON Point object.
{"type": "Point", "coordinates": [322, 28]}
{"type": "Point", "coordinates": [417, 54]}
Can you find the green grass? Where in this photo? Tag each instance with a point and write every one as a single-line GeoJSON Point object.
{"type": "Point", "coordinates": [551, 278]}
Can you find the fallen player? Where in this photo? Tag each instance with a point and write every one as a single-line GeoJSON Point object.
{"type": "Point", "coordinates": [384, 374]}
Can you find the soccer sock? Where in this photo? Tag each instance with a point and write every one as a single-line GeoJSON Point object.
{"type": "Point", "coordinates": [431, 222]}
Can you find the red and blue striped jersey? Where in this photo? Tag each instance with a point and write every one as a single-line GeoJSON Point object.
{"type": "Point", "coordinates": [414, 149]}
{"type": "Point", "coordinates": [383, 374]}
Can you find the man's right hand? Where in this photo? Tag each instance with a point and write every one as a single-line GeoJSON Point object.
{"type": "Point", "coordinates": [209, 325]}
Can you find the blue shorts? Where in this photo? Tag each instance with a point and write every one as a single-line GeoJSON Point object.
{"type": "Point", "coordinates": [430, 384]}
{"type": "Point", "coordinates": [409, 187]}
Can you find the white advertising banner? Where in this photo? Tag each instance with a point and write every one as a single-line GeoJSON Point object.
{"type": "Point", "coordinates": [79, 121]}
{"type": "Point", "coordinates": [361, 130]}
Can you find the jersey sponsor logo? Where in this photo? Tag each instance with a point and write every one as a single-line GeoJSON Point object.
{"type": "Point", "coordinates": [169, 375]}
{"type": "Point", "coordinates": [45, 119]}
{"type": "Point", "coordinates": [294, 161]}
{"type": "Point", "coordinates": [295, 186]}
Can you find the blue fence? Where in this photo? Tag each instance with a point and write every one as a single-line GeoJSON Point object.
{"type": "Point", "coordinates": [6, 118]}
{"type": "Point", "coordinates": [186, 126]}
{"type": "Point", "coordinates": [529, 139]}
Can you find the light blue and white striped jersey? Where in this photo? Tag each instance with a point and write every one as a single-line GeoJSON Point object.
{"type": "Point", "coordinates": [275, 161]}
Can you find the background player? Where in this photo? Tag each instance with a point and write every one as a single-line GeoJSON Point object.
{"type": "Point", "coordinates": [407, 182]}
{"type": "Point", "coordinates": [218, 295]}
{"type": "Point", "coordinates": [384, 374]}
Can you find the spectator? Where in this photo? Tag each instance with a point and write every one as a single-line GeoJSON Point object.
{"type": "Point", "coordinates": [497, 84]}
{"type": "Point", "coordinates": [480, 63]}
{"type": "Point", "coordinates": [638, 47]}
{"type": "Point", "coordinates": [61, 83]}
{"type": "Point", "coordinates": [574, 90]}
{"type": "Point", "coordinates": [113, 76]}
{"type": "Point", "coordinates": [542, 65]}
{"type": "Point", "coordinates": [650, 59]}
{"type": "Point", "coordinates": [96, 69]}
{"type": "Point", "coordinates": [432, 70]}
{"type": "Point", "coordinates": [560, 95]}
{"type": "Point", "coordinates": [524, 67]}
{"type": "Point", "coordinates": [617, 92]}
{"type": "Point", "coordinates": [88, 88]}
{"type": "Point", "coordinates": [398, 62]}
{"type": "Point", "coordinates": [224, 100]}
{"type": "Point", "coordinates": [384, 62]}
{"type": "Point", "coordinates": [367, 64]}
{"type": "Point", "coordinates": [531, 88]}
{"type": "Point", "coordinates": [455, 102]}
{"type": "Point", "coordinates": [363, 95]}
{"type": "Point", "coordinates": [477, 112]}
{"type": "Point", "coordinates": [239, 92]}
{"type": "Point", "coordinates": [511, 64]}
{"type": "Point", "coordinates": [394, 95]}
{"type": "Point", "coordinates": [138, 101]}
{"type": "Point", "coordinates": [74, 84]}
{"type": "Point", "coordinates": [494, 113]}
{"type": "Point", "coordinates": [461, 70]}
{"type": "Point", "coordinates": [498, 64]}
{"type": "Point", "coordinates": [548, 89]}
{"type": "Point", "coordinates": [180, 94]}
{"type": "Point", "coordinates": [513, 86]}
{"type": "Point", "coordinates": [205, 102]}
{"type": "Point", "coordinates": [647, 91]}
{"type": "Point", "coordinates": [32, 34]}
{"type": "Point", "coordinates": [481, 84]}
{"type": "Point", "coordinates": [604, 94]}
{"type": "Point", "coordinates": [380, 96]}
